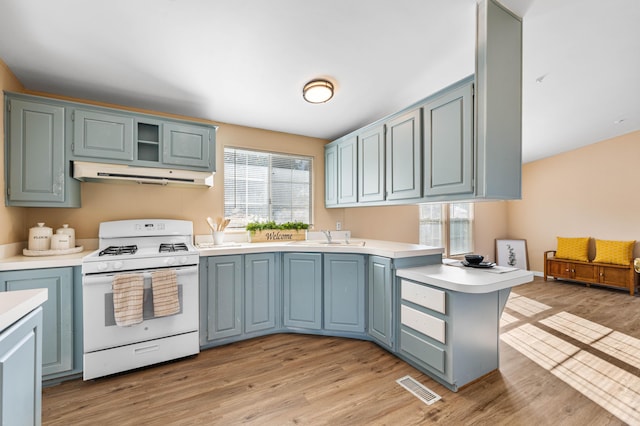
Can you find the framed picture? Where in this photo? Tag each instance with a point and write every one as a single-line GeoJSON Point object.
{"type": "Point", "coordinates": [512, 253]}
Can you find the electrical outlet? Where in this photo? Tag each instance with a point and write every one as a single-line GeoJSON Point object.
{"type": "Point", "coordinates": [338, 226]}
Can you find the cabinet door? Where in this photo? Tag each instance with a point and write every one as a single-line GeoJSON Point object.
{"type": "Point", "coordinates": [36, 153]}
{"type": "Point", "coordinates": [404, 174]}
{"type": "Point", "coordinates": [615, 276]}
{"type": "Point", "coordinates": [448, 143]}
{"type": "Point", "coordinates": [57, 342]}
{"type": "Point", "coordinates": [102, 135]}
{"type": "Point", "coordinates": [380, 300]}
{"type": "Point", "coordinates": [584, 272]}
{"type": "Point", "coordinates": [559, 269]}
{"type": "Point", "coordinates": [224, 296]}
{"type": "Point", "coordinates": [260, 288]}
{"type": "Point", "coordinates": [20, 371]}
{"type": "Point", "coordinates": [371, 165]}
{"type": "Point", "coordinates": [348, 170]}
{"type": "Point", "coordinates": [344, 292]}
{"type": "Point", "coordinates": [331, 175]}
{"type": "Point", "coordinates": [302, 286]}
{"type": "Point", "coordinates": [187, 145]}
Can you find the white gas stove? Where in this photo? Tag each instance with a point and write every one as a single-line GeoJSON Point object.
{"type": "Point", "coordinates": [145, 251]}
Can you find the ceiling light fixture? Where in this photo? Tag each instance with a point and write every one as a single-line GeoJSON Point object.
{"type": "Point", "coordinates": [317, 91]}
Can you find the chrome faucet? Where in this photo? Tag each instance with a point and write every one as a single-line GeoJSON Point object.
{"type": "Point", "coordinates": [328, 235]}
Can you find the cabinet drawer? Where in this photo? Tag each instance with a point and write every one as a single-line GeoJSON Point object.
{"type": "Point", "coordinates": [421, 295]}
{"type": "Point", "coordinates": [424, 323]}
{"type": "Point", "coordinates": [423, 350]}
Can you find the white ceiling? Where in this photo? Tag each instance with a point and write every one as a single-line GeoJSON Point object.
{"type": "Point", "coordinates": [245, 61]}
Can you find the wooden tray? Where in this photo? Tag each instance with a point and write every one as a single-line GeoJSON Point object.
{"type": "Point", "coordinates": [28, 252]}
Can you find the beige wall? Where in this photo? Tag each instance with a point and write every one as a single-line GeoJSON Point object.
{"type": "Point", "coordinates": [400, 223]}
{"type": "Point", "coordinates": [588, 192]}
{"type": "Point", "coordinates": [12, 222]}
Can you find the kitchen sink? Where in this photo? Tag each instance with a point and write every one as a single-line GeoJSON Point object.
{"type": "Point", "coordinates": [319, 243]}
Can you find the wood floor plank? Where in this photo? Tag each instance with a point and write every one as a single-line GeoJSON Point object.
{"type": "Point", "coordinates": [294, 379]}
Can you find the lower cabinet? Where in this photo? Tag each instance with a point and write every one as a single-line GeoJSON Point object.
{"type": "Point", "coordinates": [239, 293]}
{"type": "Point", "coordinates": [20, 371]}
{"type": "Point", "coordinates": [380, 294]}
{"type": "Point", "coordinates": [448, 334]}
{"type": "Point", "coordinates": [302, 288]}
{"type": "Point", "coordinates": [344, 279]}
{"type": "Point", "coordinates": [58, 314]}
{"type": "Point", "coordinates": [259, 292]}
{"type": "Point", "coordinates": [224, 296]}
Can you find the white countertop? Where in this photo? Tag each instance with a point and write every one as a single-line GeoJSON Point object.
{"type": "Point", "coordinates": [465, 280]}
{"type": "Point", "coordinates": [37, 262]}
{"type": "Point", "coordinates": [16, 304]}
{"type": "Point", "coordinates": [389, 249]}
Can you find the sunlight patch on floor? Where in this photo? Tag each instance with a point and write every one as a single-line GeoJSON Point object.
{"type": "Point", "coordinates": [578, 328]}
{"type": "Point", "coordinates": [619, 345]}
{"type": "Point", "coordinates": [609, 386]}
{"type": "Point", "coordinates": [507, 319]}
{"type": "Point", "coordinates": [525, 306]}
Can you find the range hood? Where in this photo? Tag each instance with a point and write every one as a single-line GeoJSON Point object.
{"type": "Point", "coordinates": [115, 173]}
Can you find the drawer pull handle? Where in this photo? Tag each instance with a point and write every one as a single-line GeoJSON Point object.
{"type": "Point", "coordinates": [146, 349]}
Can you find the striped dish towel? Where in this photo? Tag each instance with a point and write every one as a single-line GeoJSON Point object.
{"type": "Point", "coordinates": [128, 290]}
{"type": "Point", "coordinates": [165, 293]}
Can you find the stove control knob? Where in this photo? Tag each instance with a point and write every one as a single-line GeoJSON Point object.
{"type": "Point", "coordinates": [102, 266]}
{"type": "Point", "coordinates": [117, 265]}
{"type": "Point", "coordinates": [169, 261]}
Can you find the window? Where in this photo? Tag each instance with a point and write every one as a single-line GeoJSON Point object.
{"type": "Point", "coordinates": [449, 226]}
{"type": "Point", "coordinates": [263, 186]}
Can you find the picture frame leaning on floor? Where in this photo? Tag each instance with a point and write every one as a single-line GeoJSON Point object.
{"type": "Point", "coordinates": [512, 253]}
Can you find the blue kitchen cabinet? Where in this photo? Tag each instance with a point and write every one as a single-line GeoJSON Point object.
{"type": "Point", "coordinates": [302, 287]}
{"type": "Point", "coordinates": [403, 156]}
{"type": "Point", "coordinates": [37, 171]}
{"type": "Point", "coordinates": [224, 296]}
{"type": "Point", "coordinates": [58, 310]}
{"type": "Point", "coordinates": [260, 292]}
{"type": "Point", "coordinates": [331, 175]}
{"type": "Point", "coordinates": [21, 371]}
{"type": "Point", "coordinates": [371, 163]}
{"type": "Point", "coordinates": [344, 286]}
{"type": "Point", "coordinates": [448, 141]}
{"type": "Point", "coordinates": [380, 292]}
{"type": "Point", "coordinates": [188, 145]}
{"type": "Point", "coordinates": [102, 135]}
{"type": "Point", "coordinates": [348, 170]}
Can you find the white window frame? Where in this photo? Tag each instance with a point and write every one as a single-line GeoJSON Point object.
{"type": "Point", "coordinates": [444, 223]}
{"type": "Point", "coordinates": [240, 223]}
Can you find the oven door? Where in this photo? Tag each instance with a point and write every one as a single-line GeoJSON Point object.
{"type": "Point", "coordinates": [100, 329]}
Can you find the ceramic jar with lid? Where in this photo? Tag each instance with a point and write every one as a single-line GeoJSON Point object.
{"type": "Point", "coordinates": [60, 241]}
{"type": "Point", "coordinates": [65, 230]}
{"type": "Point", "coordinates": [40, 237]}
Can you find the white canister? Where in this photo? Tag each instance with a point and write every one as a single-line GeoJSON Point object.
{"type": "Point", "coordinates": [60, 241]}
{"type": "Point", "coordinates": [40, 237]}
{"type": "Point", "coordinates": [70, 232]}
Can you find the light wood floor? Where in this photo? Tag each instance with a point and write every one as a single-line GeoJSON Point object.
{"type": "Point", "coordinates": [291, 379]}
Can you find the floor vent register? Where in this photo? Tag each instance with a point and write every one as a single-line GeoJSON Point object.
{"type": "Point", "coordinates": [421, 392]}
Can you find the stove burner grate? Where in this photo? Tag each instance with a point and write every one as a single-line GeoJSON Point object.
{"type": "Point", "coordinates": [117, 250]}
{"type": "Point", "coordinates": [166, 247]}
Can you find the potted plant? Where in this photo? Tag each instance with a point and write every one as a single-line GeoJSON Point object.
{"type": "Point", "coordinates": [270, 231]}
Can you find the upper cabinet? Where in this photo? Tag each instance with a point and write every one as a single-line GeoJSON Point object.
{"type": "Point", "coordinates": [45, 135]}
{"type": "Point", "coordinates": [463, 143]}
{"type": "Point", "coordinates": [36, 167]}
{"type": "Point", "coordinates": [403, 156]}
{"type": "Point", "coordinates": [348, 170]}
{"type": "Point", "coordinates": [102, 135]}
{"type": "Point", "coordinates": [448, 141]}
{"type": "Point", "coordinates": [105, 135]}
